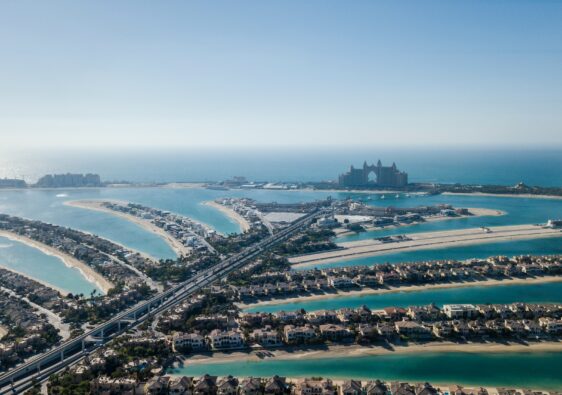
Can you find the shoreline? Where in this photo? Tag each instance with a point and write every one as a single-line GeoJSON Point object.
{"type": "Point", "coordinates": [95, 205]}
{"type": "Point", "coordinates": [475, 211]}
{"type": "Point", "coordinates": [425, 241]}
{"type": "Point", "coordinates": [233, 215]}
{"type": "Point", "coordinates": [69, 261]}
{"type": "Point", "coordinates": [357, 351]}
{"type": "Point", "coordinates": [514, 195]}
{"type": "Point", "coordinates": [410, 288]}
{"type": "Point", "coordinates": [60, 290]}
{"type": "Point", "coordinates": [201, 185]}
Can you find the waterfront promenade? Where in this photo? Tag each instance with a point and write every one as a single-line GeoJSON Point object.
{"type": "Point", "coordinates": [419, 241]}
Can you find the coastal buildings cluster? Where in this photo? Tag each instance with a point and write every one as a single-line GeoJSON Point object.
{"type": "Point", "coordinates": [389, 215]}
{"type": "Point", "coordinates": [68, 180]}
{"type": "Point", "coordinates": [278, 284]}
{"type": "Point", "coordinates": [276, 385]}
{"type": "Point", "coordinates": [137, 362]}
{"type": "Point", "coordinates": [32, 290]}
{"type": "Point", "coordinates": [239, 182]}
{"type": "Point", "coordinates": [348, 214]}
{"type": "Point", "coordinates": [210, 321]}
{"type": "Point", "coordinates": [475, 323]}
{"type": "Point", "coordinates": [24, 332]}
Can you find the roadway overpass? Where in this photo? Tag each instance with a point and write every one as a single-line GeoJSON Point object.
{"type": "Point", "coordinates": [71, 351]}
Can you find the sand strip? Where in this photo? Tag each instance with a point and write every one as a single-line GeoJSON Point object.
{"type": "Point", "coordinates": [360, 351]}
{"type": "Point", "coordinates": [233, 215]}
{"type": "Point", "coordinates": [509, 195]}
{"type": "Point", "coordinates": [427, 240]}
{"type": "Point", "coordinates": [90, 274]}
{"type": "Point", "coordinates": [409, 288]}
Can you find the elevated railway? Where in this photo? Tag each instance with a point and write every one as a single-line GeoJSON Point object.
{"type": "Point", "coordinates": [71, 351]}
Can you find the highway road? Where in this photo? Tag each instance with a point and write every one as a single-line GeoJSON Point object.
{"type": "Point", "coordinates": [68, 353]}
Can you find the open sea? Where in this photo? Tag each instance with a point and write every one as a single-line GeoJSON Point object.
{"type": "Point", "coordinates": [469, 166]}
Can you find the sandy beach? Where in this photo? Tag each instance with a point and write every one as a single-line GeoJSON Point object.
{"type": "Point", "coordinates": [426, 240]}
{"type": "Point", "coordinates": [442, 386]}
{"type": "Point", "coordinates": [360, 351]}
{"type": "Point", "coordinates": [89, 273]}
{"type": "Point", "coordinates": [96, 205]}
{"type": "Point", "coordinates": [351, 351]}
{"type": "Point", "coordinates": [241, 221]}
{"type": "Point", "coordinates": [409, 288]}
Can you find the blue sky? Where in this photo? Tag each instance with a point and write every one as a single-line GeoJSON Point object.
{"type": "Point", "coordinates": [276, 73]}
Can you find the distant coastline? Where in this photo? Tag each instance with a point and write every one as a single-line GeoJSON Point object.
{"type": "Point", "coordinates": [92, 181]}
{"type": "Point", "coordinates": [90, 274]}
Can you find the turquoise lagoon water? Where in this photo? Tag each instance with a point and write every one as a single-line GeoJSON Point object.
{"type": "Point", "coordinates": [529, 293]}
{"type": "Point", "coordinates": [48, 205]}
{"type": "Point", "coordinates": [546, 246]}
{"type": "Point", "coordinates": [528, 370]}
{"type": "Point", "coordinates": [518, 211]}
{"type": "Point", "coordinates": [34, 263]}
